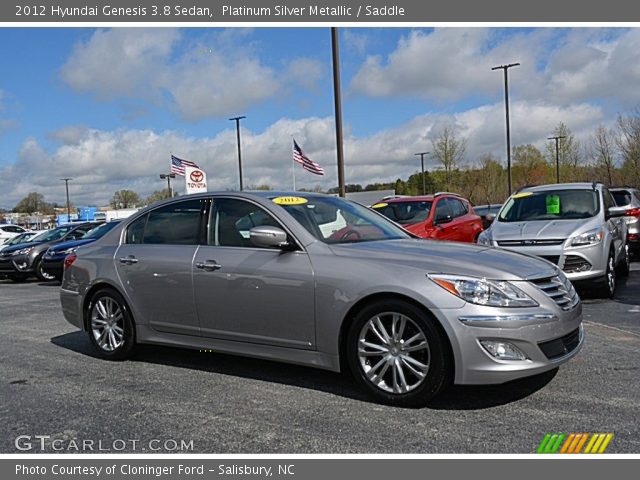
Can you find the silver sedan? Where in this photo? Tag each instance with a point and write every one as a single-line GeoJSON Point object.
{"type": "Point", "coordinates": [316, 280]}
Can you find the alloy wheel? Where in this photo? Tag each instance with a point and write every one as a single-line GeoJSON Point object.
{"type": "Point", "coordinates": [393, 352]}
{"type": "Point", "coordinates": [611, 275]}
{"type": "Point", "coordinates": [107, 324]}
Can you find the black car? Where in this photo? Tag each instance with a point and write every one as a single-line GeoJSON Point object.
{"type": "Point", "coordinates": [487, 213]}
{"type": "Point", "coordinates": [24, 260]}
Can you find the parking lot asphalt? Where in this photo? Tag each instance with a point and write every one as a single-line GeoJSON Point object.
{"type": "Point", "coordinates": [52, 385]}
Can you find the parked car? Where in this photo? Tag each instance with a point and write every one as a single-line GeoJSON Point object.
{"type": "Point", "coordinates": [487, 213]}
{"type": "Point", "coordinates": [53, 259]}
{"type": "Point", "coordinates": [20, 238]}
{"type": "Point", "coordinates": [576, 226]}
{"type": "Point", "coordinates": [256, 274]}
{"type": "Point", "coordinates": [629, 198]}
{"type": "Point", "coordinates": [24, 260]}
{"type": "Point", "coordinates": [9, 231]}
{"type": "Point", "coordinates": [442, 216]}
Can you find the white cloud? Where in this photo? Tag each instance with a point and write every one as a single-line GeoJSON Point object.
{"type": "Point", "coordinates": [102, 162]}
{"type": "Point", "coordinates": [213, 76]}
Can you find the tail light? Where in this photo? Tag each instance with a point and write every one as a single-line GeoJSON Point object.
{"type": "Point", "coordinates": [633, 237]}
{"type": "Point", "coordinates": [633, 212]}
{"type": "Point", "coordinates": [69, 259]}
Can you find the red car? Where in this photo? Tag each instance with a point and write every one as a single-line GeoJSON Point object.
{"type": "Point", "coordinates": [442, 216]}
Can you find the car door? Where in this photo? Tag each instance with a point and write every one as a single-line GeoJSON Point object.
{"type": "Point", "coordinates": [251, 294]}
{"type": "Point", "coordinates": [154, 265]}
{"type": "Point", "coordinates": [442, 220]}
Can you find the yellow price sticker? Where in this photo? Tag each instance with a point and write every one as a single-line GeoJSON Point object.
{"type": "Point", "coordinates": [289, 200]}
{"type": "Point", "coordinates": [521, 195]}
{"type": "Point", "coordinates": [379, 205]}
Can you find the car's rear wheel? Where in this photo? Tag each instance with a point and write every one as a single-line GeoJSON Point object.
{"type": "Point", "coordinates": [397, 353]}
{"type": "Point", "coordinates": [41, 273]}
{"type": "Point", "coordinates": [110, 326]}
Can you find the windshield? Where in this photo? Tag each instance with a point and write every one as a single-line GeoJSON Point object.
{"type": "Point", "coordinates": [405, 212]}
{"type": "Point", "coordinates": [50, 235]}
{"type": "Point", "coordinates": [335, 220]}
{"type": "Point", "coordinates": [100, 230]}
{"type": "Point", "coordinates": [23, 237]}
{"type": "Point", "coordinates": [550, 205]}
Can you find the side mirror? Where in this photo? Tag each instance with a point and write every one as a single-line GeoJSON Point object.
{"type": "Point", "coordinates": [270, 237]}
{"type": "Point", "coordinates": [445, 219]}
{"type": "Point", "coordinates": [616, 212]}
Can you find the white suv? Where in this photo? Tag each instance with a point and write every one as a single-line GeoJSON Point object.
{"type": "Point", "coordinates": [576, 226]}
{"type": "Point", "coordinates": [9, 231]}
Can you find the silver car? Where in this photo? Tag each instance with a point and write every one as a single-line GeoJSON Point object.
{"type": "Point", "coordinates": [629, 199]}
{"type": "Point", "coordinates": [576, 226]}
{"type": "Point", "coordinates": [321, 281]}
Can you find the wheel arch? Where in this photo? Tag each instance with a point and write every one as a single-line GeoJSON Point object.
{"type": "Point", "coordinates": [89, 294]}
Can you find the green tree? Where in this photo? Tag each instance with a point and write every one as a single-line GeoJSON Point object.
{"type": "Point", "coordinates": [125, 199]}
{"type": "Point", "coordinates": [34, 202]}
{"type": "Point", "coordinates": [492, 180]}
{"type": "Point", "coordinates": [158, 195]}
{"type": "Point", "coordinates": [529, 166]}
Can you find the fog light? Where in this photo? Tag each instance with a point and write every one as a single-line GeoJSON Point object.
{"type": "Point", "coordinates": [21, 266]}
{"type": "Point", "coordinates": [502, 350]}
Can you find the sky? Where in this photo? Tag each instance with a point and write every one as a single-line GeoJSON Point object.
{"type": "Point", "coordinates": [108, 106]}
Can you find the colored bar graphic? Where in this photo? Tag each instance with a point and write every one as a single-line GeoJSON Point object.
{"type": "Point", "coordinates": [574, 443]}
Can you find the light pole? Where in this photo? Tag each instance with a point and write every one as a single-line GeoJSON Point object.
{"type": "Point", "coordinates": [337, 100]}
{"type": "Point", "coordinates": [237, 120]}
{"type": "Point", "coordinates": [506, 109]}
{"type": "Point", "coordinates": [422, 154]}
{"type": "Point", "coordinates": [557, 138]}
{"type": "Point", "coordinates": [66, 184]}
{"type": "Point", "coordinates": [168, 176]}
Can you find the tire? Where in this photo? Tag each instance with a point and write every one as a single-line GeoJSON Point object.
{"type": "Point", "coordinates": [17, 277]}
{"type": "Point", "coordinates": [379, 363]}
{"type": "Point", "coordinates": [607, 285]}
{"type": "Point", "coordinates": [625, 264]}
{"type": "Point", "coordinates": [40, 273]}
{"type": "Point", "coordinates": [110, 325]}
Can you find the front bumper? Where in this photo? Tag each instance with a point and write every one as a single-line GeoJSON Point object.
{"type": "Point", "coordinates": [15, 264]}
{"type": "Point", "coordinates": [583, 263]}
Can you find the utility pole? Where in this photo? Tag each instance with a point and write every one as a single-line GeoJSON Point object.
{"type": "Point", "coordinates": [237, 120]}
{"type": "Point", "coordinates": [557, 138]}
{"type": "Point", "coordinates": [422, 154]}
{"type": "Point", "coordinates": [338, 109]}
{"type": "Point", "coordinates": [66, 185]}
{"type": "Point", "coordinates": [506, 108]}
{"type": "Point", "coordinates": [168, 176]}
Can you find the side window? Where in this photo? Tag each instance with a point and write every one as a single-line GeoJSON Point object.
{"type": "Point", "coordinates": [443, 210]}
{"type": "Point", "coordinates": [231, 219]}
{"type": "Point", "coordinates": [458, 208]}
{"type": "Point", "coordinates": [135, 231]}
{"type": "Point", "coordinates": [174, 224]}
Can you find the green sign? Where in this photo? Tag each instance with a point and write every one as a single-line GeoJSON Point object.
{"type": "Point", "coordinates": [553, 204]}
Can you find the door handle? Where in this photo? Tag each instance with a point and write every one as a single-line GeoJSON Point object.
{"type": "Point", "coordinates": [130, 260]}
{"type": "Point", "coordinates": [209, 265]}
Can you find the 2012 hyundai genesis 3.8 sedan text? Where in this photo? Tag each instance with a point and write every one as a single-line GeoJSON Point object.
{"type": "Point", "coordinates": [321, 281]}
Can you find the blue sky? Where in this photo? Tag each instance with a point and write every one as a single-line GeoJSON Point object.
{"type": "Point", "coordinates": [108, 106]}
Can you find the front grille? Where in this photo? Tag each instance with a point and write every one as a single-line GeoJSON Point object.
{"type": "Point", "coordinates": [574, 263]}
{"type": "Point", "coordinates": [545, 242]}
{"type": "Point", "coordinates": [561, 292]}
{"type": "Point", "coordinates": [561, 346]}
{"type": "Point", "coordinates": [555, 259]}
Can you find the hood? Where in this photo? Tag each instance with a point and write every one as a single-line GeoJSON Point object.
{"type": "Point", "coordinates": [58, 247]}
{"type": "Point", "coordinates": [434, 256]}
{"type": "Point", "coordinates": [540, 229]}
{"type": "Point", "coordinates": [19, 246]}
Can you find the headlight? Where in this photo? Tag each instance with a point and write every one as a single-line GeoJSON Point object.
{"type": "Point", "coordinates": [481, 291]}
{"type": "Point", "coordinates": [484, 238]}
{"type": "Point", "coordinates": [592, 237]}
{"type": "Point", "coordinates": [23, 251]}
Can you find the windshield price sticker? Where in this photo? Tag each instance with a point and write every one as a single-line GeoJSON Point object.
{"type": "Point", "coordinates": [289, 200]}
{"type": "Point", "coordinates": [553, 204]}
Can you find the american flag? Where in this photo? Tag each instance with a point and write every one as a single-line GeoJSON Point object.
{"type": "Point", "coordinates": [308, 164]}
{"type": "Point", "coordinates": [177, 165]}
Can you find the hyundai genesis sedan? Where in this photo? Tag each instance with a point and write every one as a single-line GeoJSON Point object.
{"type": "Point", "coordinates": [320, 281]}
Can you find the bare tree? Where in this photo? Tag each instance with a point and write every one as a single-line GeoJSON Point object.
{"type": "Point", "coordinates": [449, 151]}
{"type": "Point", "coordinates": [125, 199]}
{"type": "Point", "coordinates": [629, 145]}
{"type": "Point", "coordinates": [603, 150]}
{"type": "Point", "coordinates": [491, 179]}
{"type": "Point", "coordinates": [569, 152]}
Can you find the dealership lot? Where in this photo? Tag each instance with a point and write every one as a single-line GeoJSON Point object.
{"type": "Point", "coordinates": [52, 385]}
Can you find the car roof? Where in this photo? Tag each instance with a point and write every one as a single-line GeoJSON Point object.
{"type": "Point", "coordinates": [414, 198]}
{"type": "Point", "coordinates": [561, 186]}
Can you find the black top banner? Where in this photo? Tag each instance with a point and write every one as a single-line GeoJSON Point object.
{"type": "Point", "coordinates": [353, 11]}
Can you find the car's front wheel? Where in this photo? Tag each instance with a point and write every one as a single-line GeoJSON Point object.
{"type": "Point", "coordinates": [397, 353]}
{"type": "Point", "coordinates": [625, 263]}
{"type": "Point", "coordinates": [41, 273]}
{"type": "Point", "coordinates": [607, 285]}
{"type": "Point", "coordinates": [110, 326]}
